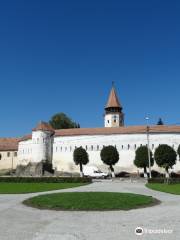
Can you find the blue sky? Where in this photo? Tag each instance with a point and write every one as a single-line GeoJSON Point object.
{"type": "Point", "coordinates": [61, 56]}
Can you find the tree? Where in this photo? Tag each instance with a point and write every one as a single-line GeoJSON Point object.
{"type": "Point", "coordinates": [142, 160]}
{"type": "Point", "coordinates": [165, 156]}
{"type": "Point", "coordinates": [62, 121]}
{"type": "Point", "coordinates": [81, 158]}
{"type": "Point", "coordinates": [160, 122]}
{"type": "Point", "coordinates": [178, 151]}
{"type": "Point", "coordinates": [110, 156]}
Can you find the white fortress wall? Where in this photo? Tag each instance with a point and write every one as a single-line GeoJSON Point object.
{"type": "Point", "coordinates": [126, 144]}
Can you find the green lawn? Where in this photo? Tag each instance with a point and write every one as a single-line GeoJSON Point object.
{"type": "Point", "coordinates": [34, 187]}
{"type": "Point", "coordinates": [163, 187]}
{"type": "Point", "coordinates": [90, 201]}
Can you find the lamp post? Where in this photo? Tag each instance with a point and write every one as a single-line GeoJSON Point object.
{"type": "Point", "coordinates": [148, 146]}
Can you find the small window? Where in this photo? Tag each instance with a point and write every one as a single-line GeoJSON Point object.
{"type": "Point", "coordinates": [114, 120]}
{"type": "Point", "coordinates": [135, 146]}
{"type": "Point", "coordinates": [61, 149]}
{"type": "Point", "coordinates": [8, 154]}
{"type": "Point", "coordinates": [97, 147]}
{"type": "Point", "coordinates": [65, 148]}
{"type": "Point", "coordinates": [92, 148]}
{"type": "Point", "coordinates": [56, 149]}
{"type": "Point", "coordinates": [122, 146]}
{"type": "Point", "coordinates": [0, 156]}
{"type": "Point", "coordinates": [70, 148]}
{"type": "Point", "coordinates": [152, 146]}
{"type": "Point", "coordinates": [86, 148]}
{"type": "Point", "coordinates": [108, 121]}
{"type": "Point", "coordinates": [15, 154]}
{"type": "Point", "coordinates": [128, 146]}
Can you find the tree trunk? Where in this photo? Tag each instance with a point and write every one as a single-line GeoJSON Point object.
{"type": "Point", "coordinates": [145, 172]}
{"type": "Point", "coordinates": [167, 175]}
{"type": "Point", "coordinates": [112, 171]}
{"type": "Point", "coordinates": [81, 170]}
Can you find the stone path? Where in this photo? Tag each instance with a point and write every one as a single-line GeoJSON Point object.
{"type": "Point", "coordinates": [18, 222]}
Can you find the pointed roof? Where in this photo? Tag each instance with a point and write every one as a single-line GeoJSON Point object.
{"type": "Point", "coordinates": [43, 126]}
{"type": "Point", "coordinates": [113, 100]}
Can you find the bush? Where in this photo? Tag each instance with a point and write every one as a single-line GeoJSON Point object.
{"type": "Point", "coordinates": [163, 180]}
{"type": "Point", "coordinates": [156, 174]}
{"type": "Point", "coordinates": [122, 174]}
{"type": "Point", "coordinates": [45, 179]}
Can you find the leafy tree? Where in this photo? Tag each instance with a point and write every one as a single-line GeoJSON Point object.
{"type": "Point", "coordinates": [62, 121]}
{"type": "Point", "coordinates": [165, 156]}
{"type": "Point", "coordinates": [110, 156]}
{"type": "Point", "coordinates": [178, 151]}
{"type": "Point", "coordinates": [142, 160]}
{"type": "Point", "coordinates": [160, 122]}
{"type": "Point", "coordinates": [81, 158]}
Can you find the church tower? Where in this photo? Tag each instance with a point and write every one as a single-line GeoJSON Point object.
{"type": "Point", "coordinates": [114, 117]}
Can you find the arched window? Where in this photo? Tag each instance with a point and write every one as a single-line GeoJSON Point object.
{"type": "Point", "coordinates": [91, 147]}
{"type": "Point", "coordinates": [122, 146]}
{"type": "Point", "coordinates": [128, 146]}
{"type": "Point", "coordinates": [86, 148]}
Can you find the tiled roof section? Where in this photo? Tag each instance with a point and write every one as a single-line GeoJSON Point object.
{"type": "Point", "coordinates": [43, 126]}
{"type": "Point", "coordinates": [119, 130]}
{"type": "Point", "coordinates": [9, 144]}
{"type": "Point", "coordinates": [113, 100]}
{"type": "Point", "coordinates": [25, 138]}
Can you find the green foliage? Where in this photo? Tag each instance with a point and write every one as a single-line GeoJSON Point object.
{"type": "Point", "coordinates": [141, 157]}
{"type": "Point", "coordinates": [80, 157]}
{"type": "Point", "coordinates": [45, 179]}
{"type": "Point", "coordinates": [89, 201]}
{"type": "Point", "coordinates": [109, 155]}
{"type": "Point", "coordinates": [165, 156]}
{"type": "Point", "coordinates": [160, 122]}
{"type": "Point", "coordinates": [178, 151]}
{"type": "Point", "coordinates": [62, 121]}
{"type": "Point", "coordinates": [12, 188]}
{"type": "Point", "coordinates": [168, 188]}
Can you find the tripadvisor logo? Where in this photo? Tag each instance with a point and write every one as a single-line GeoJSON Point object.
{"type": "Point", "coordinates": [139, 231]}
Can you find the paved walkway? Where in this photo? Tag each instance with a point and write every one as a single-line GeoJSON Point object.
{"type": "Point", "coordinates": [18, 222]}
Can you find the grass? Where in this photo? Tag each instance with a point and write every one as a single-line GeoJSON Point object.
{"type": "Point", "coordinates": [93, 201]}
{"type": "Point", "coordinates": [10, 188]}
{"type": "Point", "coordinates": [163, 187]}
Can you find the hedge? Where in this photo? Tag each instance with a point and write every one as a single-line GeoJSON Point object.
{"type": "Point", "coordinates": [164, 180]}
{"type": "Point", "coordinates": [45, 179]}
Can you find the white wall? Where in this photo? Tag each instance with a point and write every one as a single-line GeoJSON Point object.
{"type": "Point", "coordinates": [8, 160]}
{"type": "Point", "coordinates": [126, 144]}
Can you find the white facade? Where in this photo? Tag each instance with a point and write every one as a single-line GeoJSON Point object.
{"type": "Point", "coordinates": [37, 149]}
{"type": "Point", "coordinates": [126, 145]}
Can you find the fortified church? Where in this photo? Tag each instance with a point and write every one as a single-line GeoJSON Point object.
{"type": "Point", "coordinates": [57, 146]}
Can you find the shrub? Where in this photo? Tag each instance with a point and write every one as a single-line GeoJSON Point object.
{"type": "Point", "coordinates": [110, 156]}
{"type": "Point", "coordinates": [165, 157]}
{"type": "Point", "coordinates": [45, 179]}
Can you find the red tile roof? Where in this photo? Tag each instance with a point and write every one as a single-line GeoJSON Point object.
{"type": "Point", "coordinates": [44, 127]}
{"type": "Point", "coordinates": [111, 131]}
{"type": "Point", "coordinates": [9, 144]}
{"type": "Point", "coordinates": [113, 100]}
{"type": "Point", "coordinates": [118, 130]}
